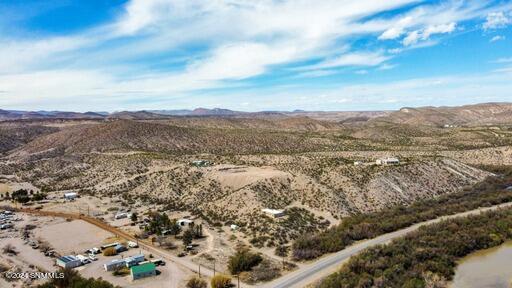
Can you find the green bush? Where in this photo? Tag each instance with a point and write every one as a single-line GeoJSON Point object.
{"type": "Point", "coordinates": [243, 260]}
{"type": "Point", "coordinates": [220, 281]}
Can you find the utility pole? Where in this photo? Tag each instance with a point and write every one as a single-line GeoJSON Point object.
{"type": "Point", "coordinates": [214, 267]}
{"type": "Point", "coordinates": [238, 279]}
{"type": "Point", "coordinates": [199, 270]}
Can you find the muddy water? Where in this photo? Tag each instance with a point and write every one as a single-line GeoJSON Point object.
{"type": "Point", "coordinates": [491, 268]}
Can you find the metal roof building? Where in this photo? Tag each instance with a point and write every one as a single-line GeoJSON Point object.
{"type": "Point", "coordinates": [68, 261]}
{"type": "Point", "coordinates": [142, 271]}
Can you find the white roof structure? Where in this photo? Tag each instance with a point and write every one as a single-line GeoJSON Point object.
{"type": "Point", "coordinates": [182, 222]}
{"type": "Point", "coordinates": [274, 212]}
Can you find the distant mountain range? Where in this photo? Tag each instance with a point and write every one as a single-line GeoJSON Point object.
{"type": "Point", "coordinates": [478, 114]}
{"type": "Point", "coordinates": [198, 112]}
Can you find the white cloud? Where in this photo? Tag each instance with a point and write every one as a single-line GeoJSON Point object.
{"type": "Point", "coordinates": [417, 35]}
{"type": "Point", "coordinates": [386, 66]}
{"type": "Point", "coordinates": [397, 30]}
{"type": "Point", "coordinates": [352, 59]}
{"type": "Point", "coordinates": [497, 20]}
{"type": "Point", "coordinates": [497, 38]}
{"type": "Point", "coordinates": [504, 60]}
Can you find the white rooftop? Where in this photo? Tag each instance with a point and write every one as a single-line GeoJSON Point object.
{"type": "Point", "coordinates": [272, 211]}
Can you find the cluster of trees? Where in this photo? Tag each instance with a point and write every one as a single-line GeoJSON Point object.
{"type": "Point", "coordinates": [72, 279]}
{"type": "Point", "coordinates": [427, 257]}
{"type": "Point", "coordinates": [24, 196]}
{"type": "Point", "coordinates": [243, 260]}
{"type": "Point", "coordinates": [160, 222]}
{"type": "Point", "coordinates": [193, 232]}
{"type": "Point", "coordinates": [491, 191]}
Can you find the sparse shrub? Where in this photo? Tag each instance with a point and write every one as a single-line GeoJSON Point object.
{"type": "Point", "coordinates": [123, 271]}
{"type": "Point", "coordinates": [243, 260]}
{"type": "Point", "coordinates": [282, 251]}
{"type": "Point", "coordinates": [110, 251]}
{"type": "Point", "coordinates": [220, 281]}
{"type": "Point", "coordinates": [10, 250]}
{"type": "Point", "coordinates": [196, 282]}
{"type": "Point", "coordinates": [265, 271]}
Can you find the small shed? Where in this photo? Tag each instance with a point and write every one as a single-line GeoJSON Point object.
{"type": "Point", "coordinates": [70, 196]}
{"type": "Point", "coordinates": [142, 271]}
{"type": "Point", "coordinates": [69, 261]}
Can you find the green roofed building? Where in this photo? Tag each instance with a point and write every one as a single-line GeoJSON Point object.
{"type": "Point", "coordinates": [142, 271]}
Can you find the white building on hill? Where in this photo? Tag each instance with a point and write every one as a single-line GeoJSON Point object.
{"type": "Point", "coordinates": [274, 212]}
{"type": "Point", "coordinates": [388, 161]}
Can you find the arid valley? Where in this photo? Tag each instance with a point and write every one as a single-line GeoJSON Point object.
{"type": "Point", "coordinates": [244, 183]}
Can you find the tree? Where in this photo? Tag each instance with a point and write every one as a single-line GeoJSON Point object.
{"type": "Point", "coordinates": [188, 236]}
{"type": "Point", "coordinates": [243, 260]}
{"type": "Point", "coordinates": [134, 217]}
{"type": "Point", "coordinates": [196, 282]}
{"type": "Point", "coordinates": [198, 231]}
{"type": "Point", "coordinates": [281, 251]}
{"type": "Point", "coordinates": [221, 281]}
{"type": "Point", "coordinates": [174, 229]}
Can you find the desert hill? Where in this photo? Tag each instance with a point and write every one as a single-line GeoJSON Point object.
{"type": "Point", "coordinates": [125, 135]}
{"type": "Point", "coordinates": [468, 115]}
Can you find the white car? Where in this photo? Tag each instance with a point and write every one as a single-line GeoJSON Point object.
{"type": "Point", "coordinates": [92, 257]}
{"type": "Point", "coordinates": [132, 244]}
{"type": "Point", "coordinates": [83, 259]}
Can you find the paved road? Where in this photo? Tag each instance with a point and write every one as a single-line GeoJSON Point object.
{"type": "Point", "coordinates": [310, 273]}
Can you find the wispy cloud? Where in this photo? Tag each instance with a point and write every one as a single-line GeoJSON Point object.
{"type": "Point", "coordinates": [497, 38]}
{"type": "Point", "coordinates": [220, 45]}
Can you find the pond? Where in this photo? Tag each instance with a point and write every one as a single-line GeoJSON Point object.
{"type": "Point", "coordinates": [490, 268]}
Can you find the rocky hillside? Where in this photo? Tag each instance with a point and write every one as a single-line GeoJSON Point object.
{"type": "Point", "coordinates": [470, 115]}
{"type": "Point", "coordinates": [315, 187]}
{"type": "Point", "coordinates": [13, 136]}
{"type": "Point", "coordinates": [123, 135]}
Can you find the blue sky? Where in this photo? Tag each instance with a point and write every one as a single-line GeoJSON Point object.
{"type": "Point", "coordinates": [253, 55]}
